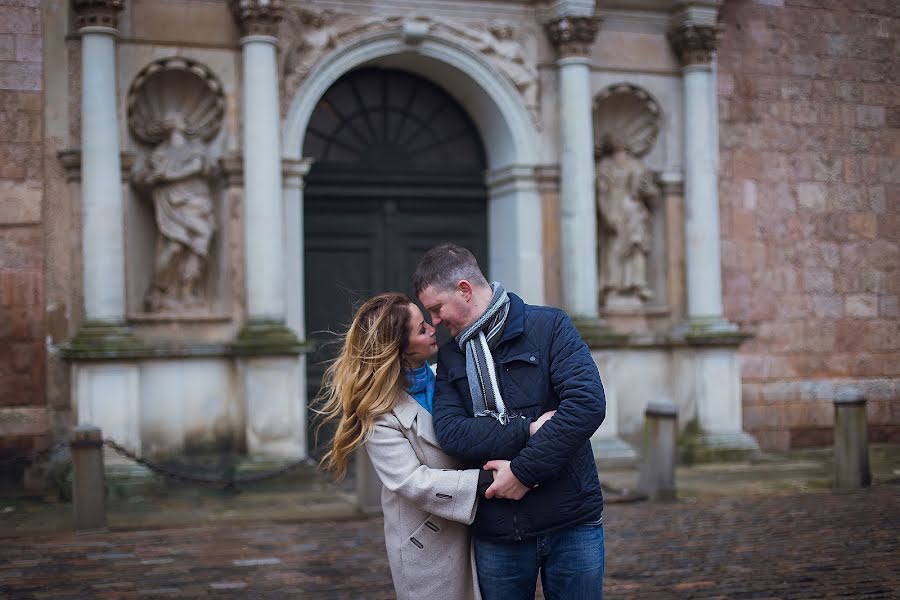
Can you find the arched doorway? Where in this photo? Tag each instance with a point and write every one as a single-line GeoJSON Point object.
{"type": "Point", "coordinates": [398, 167]}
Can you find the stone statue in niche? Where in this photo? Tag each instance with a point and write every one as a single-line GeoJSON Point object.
{"type": "Point", "coordinates": [625, 193]}
{"type": "Point", "coordinates": [177, 105]}
{"type": "Point", "coordinates": [176, 175]}
{"type": "Point", "coordinates": [626, 124]}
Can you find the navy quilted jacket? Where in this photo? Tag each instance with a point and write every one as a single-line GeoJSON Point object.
{"type": "Point", "coordinates": [542, 364]}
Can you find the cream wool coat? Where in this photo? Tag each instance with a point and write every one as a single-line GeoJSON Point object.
{"type": "Point", "coordinates": [427, 506]}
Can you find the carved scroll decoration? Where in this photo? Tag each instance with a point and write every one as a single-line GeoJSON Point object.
{"type": "Point", "coordinates": [316, 32]}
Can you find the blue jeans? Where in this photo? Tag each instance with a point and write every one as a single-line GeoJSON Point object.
{"type": "Point", "coordinates": [570, 562]}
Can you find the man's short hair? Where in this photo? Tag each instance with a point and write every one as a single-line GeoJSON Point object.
{"type": "Point", "coordinates": [444, 265]}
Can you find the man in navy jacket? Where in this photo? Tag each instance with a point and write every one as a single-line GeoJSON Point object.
{"type": "Point", "coordinates": [507, 368]}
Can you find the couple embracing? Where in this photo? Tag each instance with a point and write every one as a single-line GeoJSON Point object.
{"type": "Point", "coordinates": [489, 478]}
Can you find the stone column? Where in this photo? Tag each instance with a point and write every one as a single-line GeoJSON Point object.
{"type": "Point", "coordinates": [714, 341]}
{"type": "Point", "coordinates": [572, 37]}
{"type": "Point", "coordinates": [515, 249]}
{"type": "Point", "coordinates": [272, 373]}
{"type": "Point", "coordinates": [294, 171]}
{"type": "Point", "coordinates": [263, 208]}
{"type": "Point", "coordinates": [103, 236]}
{"type": "Point", "coordinates": [694, 37]}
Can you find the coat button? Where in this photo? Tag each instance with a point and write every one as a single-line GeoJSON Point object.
{"type": "Point", "coordinates": [533, 358]}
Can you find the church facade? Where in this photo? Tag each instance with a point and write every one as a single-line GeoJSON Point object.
{"type": "Point", "coordinates": [197, 193]}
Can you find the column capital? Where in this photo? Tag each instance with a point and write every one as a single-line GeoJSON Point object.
{"type": "Point", "coordinates": [258, 17]}
{"type": "Point", "coordinates": [573, 35]}
{"type": "Point", "coordinates": [695, 44]}
{"type": "Point", "coordinates": [97, 13]}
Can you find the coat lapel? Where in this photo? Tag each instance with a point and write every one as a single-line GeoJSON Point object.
{"type": "Point", "coordinates": [409, 411]}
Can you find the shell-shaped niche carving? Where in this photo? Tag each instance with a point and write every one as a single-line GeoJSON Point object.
{"type": "Point", "coordinates": [627, 116]}
{"type": "Point", "coordinates": [171, 86]}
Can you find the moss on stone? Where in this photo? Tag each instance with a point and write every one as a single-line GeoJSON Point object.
{"type": "Point", "coordinates": [598, 334]}
{"type": "Point", "coordinates": [98, 341]}
{"type": "Point", "coordinates": [267, 338]}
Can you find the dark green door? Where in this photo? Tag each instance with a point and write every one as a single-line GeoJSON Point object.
{"type": "Point", "coordinates": [399, 167]}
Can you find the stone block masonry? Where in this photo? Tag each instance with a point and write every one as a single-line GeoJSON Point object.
{"type": "Point", "coordinates": [23, 412]}
{"type": "Point", "coordinates": [809, 105]}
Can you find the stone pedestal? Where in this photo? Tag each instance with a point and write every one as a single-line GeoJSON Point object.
{"type": "Point", "coordinates": [701, 379]}
{"type": "Point", "coordinates": [276, 416]}
{"type": "Point", "coordinates": [609, 448]}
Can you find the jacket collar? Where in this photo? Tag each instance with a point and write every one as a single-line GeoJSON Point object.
{"type": "Point", "coordinates": [515, 320]}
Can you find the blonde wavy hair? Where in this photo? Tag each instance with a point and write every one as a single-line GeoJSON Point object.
{"type": "Point", "coordinates": [367, 377]}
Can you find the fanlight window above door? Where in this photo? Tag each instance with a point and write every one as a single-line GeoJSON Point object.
{"type": "Point", "coordinates": [385, 119]}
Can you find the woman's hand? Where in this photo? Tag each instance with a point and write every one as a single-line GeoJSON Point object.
{"type": "Point", "coordinates": [532, 429]}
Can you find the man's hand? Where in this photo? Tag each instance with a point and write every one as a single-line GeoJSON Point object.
{"type": "Point", "coordinates": [505, 483]}
{"type": "Point", "coordinates": [535, 425]}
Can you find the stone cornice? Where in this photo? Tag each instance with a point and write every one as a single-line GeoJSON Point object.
{"type": "Point", "coordinates": [258, 17]}
{"type": "Point", "coordinates": [97, 13]}
{"type": "Point", "coordinates": [695, 44]}
{"type": "Point", "coordinates": [573, 35]}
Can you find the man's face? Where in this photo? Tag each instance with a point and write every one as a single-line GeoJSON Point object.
{"type": "Point", "coordinates": [446, 307]}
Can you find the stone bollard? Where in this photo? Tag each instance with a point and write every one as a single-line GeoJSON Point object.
{"type": "Point", "coordinates": [368, 485]}
{"type": "Point", "coordinates": [88, 482]}
{"type": "Point", "coordinates": [657, 475]}
{"type": "Point", "coordinates": [851, 445]}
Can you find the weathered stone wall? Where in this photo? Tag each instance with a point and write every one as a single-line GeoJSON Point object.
{"type": "Point", "coordinates": [809, 100]}
{"type": "Point", "coordinates": [23, 415]}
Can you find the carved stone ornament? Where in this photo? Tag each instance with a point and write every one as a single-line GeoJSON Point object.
{"type": "Point", "coordinates": [573, 36]}
{"type": "Point", "coordinates": [180, 85]}
{"type": "Point", "coordinates": [695, 44]}
{"type": "Point", "coordinates": [628, 116]}
{"type": "Point", "coordinates": [314, 32]}
{"type": "Point", "coordinates": [97, 13]}
{"type": "Point", "coordinates": [258, 17]}
{"type": "Point", "coordinates": [174, 105]}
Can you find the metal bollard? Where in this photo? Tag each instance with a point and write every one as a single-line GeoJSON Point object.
{"type": "Point", "coordinates": [88, 482]}
{"type": "Point", "coordinates": [368, 484]}
{"type": "Point", "coordinates": [657, 475]}
{"type": "Point", "coordinates": [851, 445]}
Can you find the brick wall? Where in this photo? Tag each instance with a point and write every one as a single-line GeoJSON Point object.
{"type": "Point", "coordinates": [23, 414]}
{"type": "Point", "coordinates": [809, 100]}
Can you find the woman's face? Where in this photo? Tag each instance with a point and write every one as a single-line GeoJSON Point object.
{"type": "Point", "coordinates": [422, 343]}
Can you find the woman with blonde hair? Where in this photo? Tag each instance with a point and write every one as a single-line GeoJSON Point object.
{"type": "Point", "coordinates": [380, 389]}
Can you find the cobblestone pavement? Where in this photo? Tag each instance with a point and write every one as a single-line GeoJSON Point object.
{"type": "Point", "coordinates": [816, 545]}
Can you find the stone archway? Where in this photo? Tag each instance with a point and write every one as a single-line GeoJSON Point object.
{"type": "Point", "coordinates": [500, 115]}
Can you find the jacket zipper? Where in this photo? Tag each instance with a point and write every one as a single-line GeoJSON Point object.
{"type": "Point", "coordinates": [516, 533]}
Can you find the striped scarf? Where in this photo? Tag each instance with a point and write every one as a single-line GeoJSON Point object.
{"type": "Point", "coordinates": [478, 339]}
